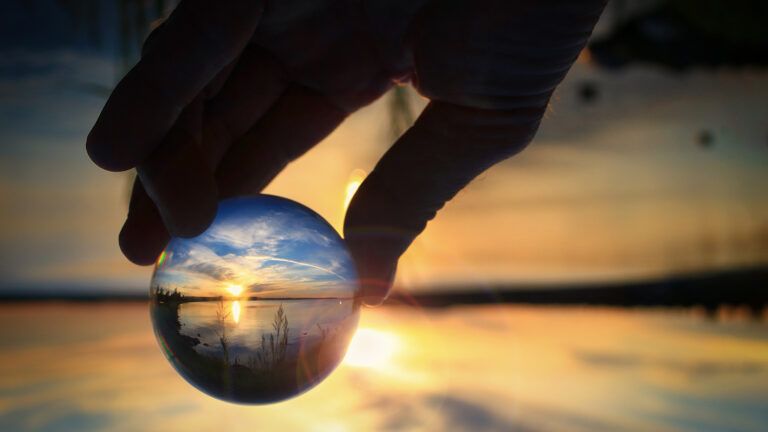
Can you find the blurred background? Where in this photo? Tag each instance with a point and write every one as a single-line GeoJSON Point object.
{"type": "Point", "coordinates": [611, 277]}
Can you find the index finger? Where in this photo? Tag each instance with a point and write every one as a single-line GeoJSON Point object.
{"type": "Point", "coordinates": [199, 39]}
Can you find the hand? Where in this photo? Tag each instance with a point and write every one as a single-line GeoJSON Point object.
{"type": "Point", "coordinates": [228, 93]}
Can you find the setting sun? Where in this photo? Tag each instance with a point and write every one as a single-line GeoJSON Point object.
{"type": "Point", "coordinates": [371, 349]}
{"type": "Point", "coordinates": [235, 290]}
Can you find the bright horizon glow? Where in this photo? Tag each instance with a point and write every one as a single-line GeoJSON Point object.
{"type": "Point", "coordinates": [235, 290]}
{"type": "Point", "coordinates": [372, 349]}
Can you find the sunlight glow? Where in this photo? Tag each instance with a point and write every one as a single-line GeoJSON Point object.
{"type": "Point", "coordinates": [236, 311]}
{"type": "Point", "coordinates": [235, 290]}
{"type": "Point", "coordinates": [372, 349]}
{"type": "Point", "coordinates": [355, 180]}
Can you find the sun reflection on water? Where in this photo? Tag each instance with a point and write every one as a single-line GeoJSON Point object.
{"type": "Point", "coordinates": [236, 311]}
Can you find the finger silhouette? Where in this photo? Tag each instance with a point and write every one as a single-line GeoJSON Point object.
{"type": "Point", "coordinates": [299, 119]}
{"type": "Point", "coordinates": [254, 85]}
{"type": "Point", "coordinates": [489, 80]}
{"type": "Point", "coordinates": [143, 235]}
{"type": "Point", "coordinates": [197, 41]}
{"type": "Point", "coordinates": [445, 149]}
{"type": "Point", "coordinates": [181, 182]}
{"type": "Point", "coordinates": [179, 179]}
{"type": "Point", "coordinates": [179, 173]}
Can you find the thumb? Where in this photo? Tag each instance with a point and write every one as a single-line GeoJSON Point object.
{"type": "Point", "coordinates": [505, 64]}
{"type": "Point", "coordinates": [446, 148]}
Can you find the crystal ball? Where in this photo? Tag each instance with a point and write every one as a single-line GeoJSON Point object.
{"type": "Point", "coordinates": [261, 306]}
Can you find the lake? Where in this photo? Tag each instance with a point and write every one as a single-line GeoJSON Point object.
{"type": "Point", "coordinates": [247, 320]}
{"type": "Point", "coordinates": [98, 366]}
{"type": "Point", "coordinates": [254, 351]}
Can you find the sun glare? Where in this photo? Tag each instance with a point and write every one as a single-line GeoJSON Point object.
{"type": "Point", "coordinates": [235, 290]}
{"type": "Point", "coordinates": [371, 349]}
{"type": "Point", "coordinates": [355, 180]}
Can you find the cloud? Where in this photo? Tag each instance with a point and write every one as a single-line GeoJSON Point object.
{"type": "Point", "coordinates": [694, 368]}
{"type": "Point", "coordinates": [461, 414]}
{"type": "Point", "coordinates": [212, 270]}
{"type": "Point", "coordinates": [266, 234]}
{"type": "Point", "coordinates": [277, 253]}
{"type": "Point", "coordinates": [248, 235]}
{"type": "Point", "coordinates": [299, 263]}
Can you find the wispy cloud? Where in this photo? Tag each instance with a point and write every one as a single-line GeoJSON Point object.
{"type": "Point", "coordinates": [300, 263]}
{"type": "Point", "coordinates": [273, 252]}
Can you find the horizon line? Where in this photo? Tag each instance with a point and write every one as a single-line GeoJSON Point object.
{"type": "Point", "coordinates": [734, 287]}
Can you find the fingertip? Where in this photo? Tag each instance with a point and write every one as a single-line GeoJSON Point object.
{"type": "Point", "coordinates": [178, 179]}
{"type": "Point", "coordinates": [376, 265]}
{"type": "Point", "coordinates": [193, 221]}
{"type": "Point", "coordinates": [374, 291]}
{"type": "Point", "coordinates": [143, 235]}
{"type": "Point", "coordinates": [103, 154]}
{"type": "Point", "coordinates": [186, 198]}
{"type": "Point", "coordinates": [142, 243]}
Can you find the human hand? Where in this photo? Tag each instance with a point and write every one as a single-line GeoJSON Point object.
{"type": "Point", "coordinates": [228, 93]}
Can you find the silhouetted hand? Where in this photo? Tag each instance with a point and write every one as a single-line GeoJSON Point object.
{"type": "Point", "coordinates": [227, 93]}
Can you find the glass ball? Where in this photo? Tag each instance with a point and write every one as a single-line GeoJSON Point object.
{"type": "Point", "coordinates": [261, 306]}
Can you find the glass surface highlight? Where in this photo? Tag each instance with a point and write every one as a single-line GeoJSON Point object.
{"type": "Point", "coordinates": [261, 306]}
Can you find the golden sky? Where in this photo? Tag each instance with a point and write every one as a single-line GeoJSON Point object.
{"type": "Point", "coordinates": [614, 189]}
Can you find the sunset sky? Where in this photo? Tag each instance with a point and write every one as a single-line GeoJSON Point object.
{"type": "Point", "coordinates": [636, 173]}
{"type": "Point", "coordinates": [613, 189]}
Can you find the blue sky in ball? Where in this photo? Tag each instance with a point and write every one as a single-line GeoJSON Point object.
{"type": "Point", "coordinates": [266, 245]}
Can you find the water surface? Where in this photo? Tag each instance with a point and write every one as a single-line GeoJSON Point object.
{"type": "Point", "coordinates": [97, 367]}
{"type": "Point", "coordinates": [254, 351]}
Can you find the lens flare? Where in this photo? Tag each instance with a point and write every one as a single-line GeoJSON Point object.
{"type": "Point", "coordinates": [355, 180]}
{"type": "Point", "coordinates": [161, 259]}
{"type": "Point", "coordinates": [372, 349]}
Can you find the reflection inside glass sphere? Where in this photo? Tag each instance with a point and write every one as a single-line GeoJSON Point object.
{"type": "Point", "coordinates": [261, 306]}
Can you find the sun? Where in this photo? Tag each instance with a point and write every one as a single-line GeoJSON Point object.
{"type": "Point", "coordinates": [235, 290]}
{"type": "Point", "coordinates": [371, 349]}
